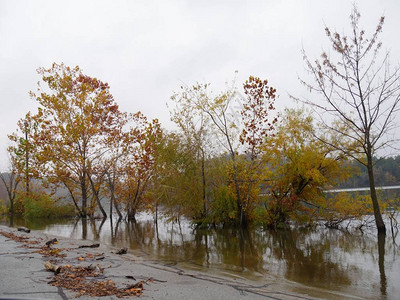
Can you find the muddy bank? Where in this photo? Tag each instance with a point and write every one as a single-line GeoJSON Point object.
{"type": "Point", "coordinates": [87, 269]}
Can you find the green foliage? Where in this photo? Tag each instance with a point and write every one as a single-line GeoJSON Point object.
{"type": "Point", "coordinates": [223, 209]}
{"type": "Point", "coordinates": [19, 203]}
{"type": "Point", "coordinates": [3, 208]}
{"type": "Point", "coordinates": [41, 205]}
{"type": "Point", "coordinates": [222, 205]}
{"type": "Point", "coordinates": [251, 173]}
{"type": "Point", "coordinates": [214, 170]}
{"type": "Point", "coordinates": [177, 182]}
{"type": "Point", "coordinates": [207, 118]}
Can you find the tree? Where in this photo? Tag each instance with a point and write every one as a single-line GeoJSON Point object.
{"type": "Point", "coordinates": [177, 184]}
{"type": "Point", "coordinates": [136, 163]}
{"type": "Point", "coordinates": [361, 91]}
{"type": "Point", "coordinates": [223, 126]}
{"type": "Point", "coordinates": [11, 180]}
{"type": "Point", "coordinates": [236, 129]}
{"type": "Point", "coordinates": [193, 124]}
{"type": "Point", "coordinates": [77, 115]}
{"type": "Point", "coordinates": [301, 168]}
{"type": "Point", "coordinates": [22, 150]}
{"type": "Point", "coordinates": [111, 171]}
{"type": "Point", "coordinates": [258, 125]}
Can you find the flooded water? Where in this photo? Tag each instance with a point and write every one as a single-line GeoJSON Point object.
{"type": "Point", "coordinates": [319, 262]}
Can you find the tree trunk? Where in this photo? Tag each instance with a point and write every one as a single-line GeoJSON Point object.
{"type": "Point", "coordinates": [84, 195]}
{"type": "Point", "coordinates": [132, 214]}
{"type": "Point", "coordinates": [112, 193]}
{"type": "Point", "coordinates": [381, 263]}
{"type": "Point", "coordinates": [96, 195]}
{"type": "Point", "coordinates": [84, 228]}
{"type": "Point", "coordinates": [26, 162]}
{"type": "Point", "coordinates": [380, 225]}
{"type": "Point", "coordinates": [250, 186]}
{"type": "Point", "coordinates": [242, 218]}
{"type": "Point", "coordinates": [117, 209]}
{"type": "Point", "coordinates": [73, 199]}
{"type": "Point", "coordinates": [203, 175]}
{"type": "Point", "coordinates": [11, 211]}
{"type": "Point", "coordinates": [101, 207]}
{"type": "Point", "coordinates": [133, 204]}
{"type": "Point", "coordinates": [111, 205]}
{"type": "Point", "coordinates": [156, 217]}
{"type": "Point", "coordinates": [11, 188]}
{"type": "Point", "coordinates": [113, 202]}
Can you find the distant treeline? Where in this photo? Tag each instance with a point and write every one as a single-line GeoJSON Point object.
{"type": "Point", "coordinates": [387, 172]}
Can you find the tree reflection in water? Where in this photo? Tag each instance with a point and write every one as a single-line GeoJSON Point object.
{"type": "Point", "coordinates": [320, 257]}
{"type": "Point", "coordinates": [381, 259]}
{"type": "Point", "coordinates": [331, 260]}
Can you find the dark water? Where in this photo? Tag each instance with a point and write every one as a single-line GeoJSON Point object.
{"type": "Point", "coordinates": [319, 262]}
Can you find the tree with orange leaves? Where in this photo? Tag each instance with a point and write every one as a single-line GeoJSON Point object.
{"type": "Point", "coordinates": [77, 116]}
{"type": "Point", "coordinates": [133, 164]}
{"type": "Point", "coordinates": [259, 123]}
{"type": "Point", "coordinates": [256, 123]}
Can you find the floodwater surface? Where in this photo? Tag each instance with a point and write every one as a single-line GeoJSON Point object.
{"type": "Point", "coordinates": [319, 262]}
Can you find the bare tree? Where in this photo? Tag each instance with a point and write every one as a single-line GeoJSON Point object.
{"type": "Point", "coordinates": [11, 180]}
{"type": "Point", "coordinates": [361, 91]}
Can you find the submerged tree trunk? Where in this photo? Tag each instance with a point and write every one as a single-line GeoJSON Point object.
{"type": "Point", "coordinates": [238, 198]}
{"type": "Point", "coordinates": [132, 214]}
{"type": "Point", "coordinates": [380, 225]}
{"type": "Point", "coordinates": [203, 176]}
{"type": "Point", "coordinates": [84, 195]}
{"type": "Point", "coordinates": [381, 263]}
{"type": "Point", "coordinates": [113, 202]}
{"type": "Point", "coordinates": [96, 195]}
{"type": "Point", "coordinates": [117, 209]}
{"type": "Point", "coordinates": [242, 217]}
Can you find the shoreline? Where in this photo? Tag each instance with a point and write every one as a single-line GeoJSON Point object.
{"type": "Point", "coordinates": [23, 274]}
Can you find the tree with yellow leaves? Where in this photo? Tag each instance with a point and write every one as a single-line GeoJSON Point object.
{"type": "Point", "coordinates": [301, 168]}
{"type": "Point", "coordinates": [76, 117]}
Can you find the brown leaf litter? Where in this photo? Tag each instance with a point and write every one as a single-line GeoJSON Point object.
{"type": "Point", "coordinates": [83, 280]}
{"type": "Point", "coordinates": [76, 278]}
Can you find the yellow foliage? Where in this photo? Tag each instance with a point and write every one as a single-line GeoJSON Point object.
{"type": "Point", "coordinates": [3, 208]}
{"type": "Point", "coordinates": [302, 165]}
{"type": "Point", "coordinates": [344, 206]}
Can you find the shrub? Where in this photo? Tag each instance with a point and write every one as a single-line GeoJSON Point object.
{"type": "Point", "coordinates": [223, 207]}
{"type": "Point", "coordinates": [41, 205]}
{"type": "Point", "coordinates": [3, 208]}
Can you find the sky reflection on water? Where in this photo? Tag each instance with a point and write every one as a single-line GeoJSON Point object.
{"type": "Point", "coordinates": [319, 262]}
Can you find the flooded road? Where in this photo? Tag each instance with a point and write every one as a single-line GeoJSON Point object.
{"type": "Point", "coordinates": [319, 262]}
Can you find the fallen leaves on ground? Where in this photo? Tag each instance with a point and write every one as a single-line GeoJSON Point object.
{"type": "Point", "coordinates": [75, 278]}
{"type": "Point", "coordinates": [83, 280]}
{"type": "Point", "coordinates": [55, 252]}
{"type": "Point", "coordinates": [27, 243]}
{"type": "Point", "coordinates": [14, 237]}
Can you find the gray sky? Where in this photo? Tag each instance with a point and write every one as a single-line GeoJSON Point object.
{"type": "Point", "coordinates": [146, 49]}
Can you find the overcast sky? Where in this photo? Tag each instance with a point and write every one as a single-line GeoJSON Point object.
{"type": "Point", "coordinates": [146, 49]}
